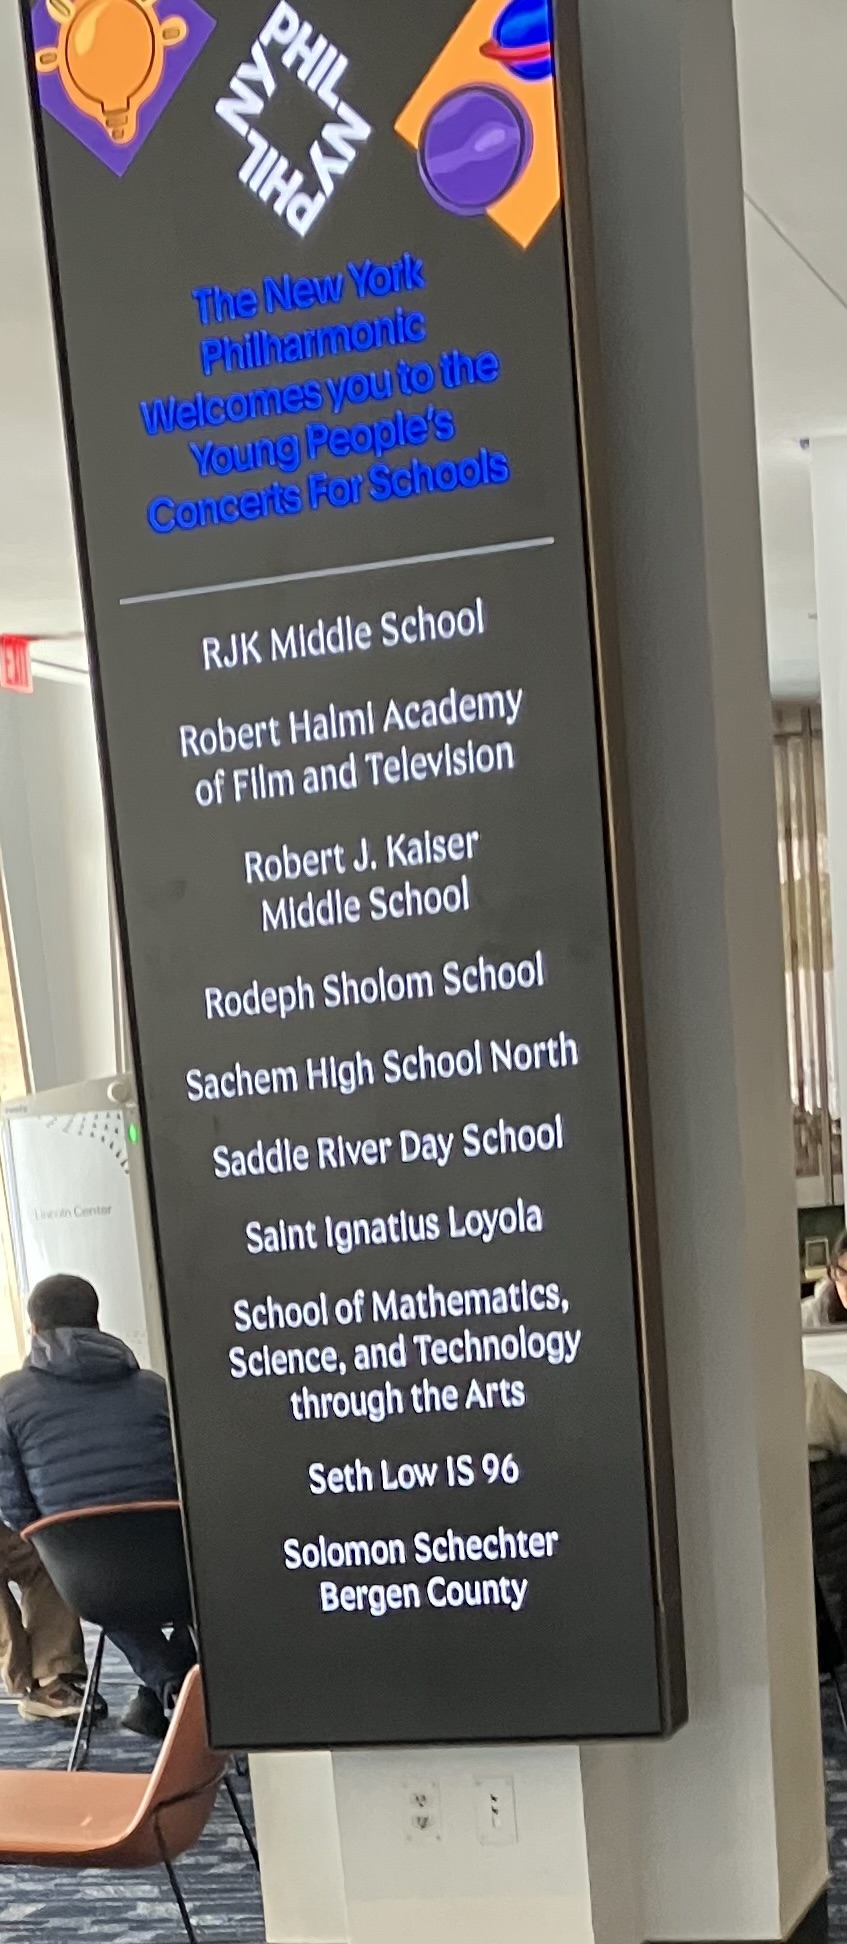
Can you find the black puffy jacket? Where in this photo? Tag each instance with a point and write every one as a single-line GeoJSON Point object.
{"type": "Point", "coordinates": [81, 1424]}
{"type": "Point", "coordinates": [828, 1483]}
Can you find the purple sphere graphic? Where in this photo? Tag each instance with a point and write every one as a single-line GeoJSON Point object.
{"type": "Point", "coordinates": [474, 148]}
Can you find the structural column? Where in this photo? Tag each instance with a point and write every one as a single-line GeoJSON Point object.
{"type": "Point", "coordinates": [720, 1834]}
{"type": "Point", "coordinates": [732, 1837]}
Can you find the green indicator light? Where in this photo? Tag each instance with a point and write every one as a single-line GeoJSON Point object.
{"type": "Point", "coordinates": [132, 1133]}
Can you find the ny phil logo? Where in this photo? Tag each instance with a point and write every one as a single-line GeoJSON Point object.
{"type": "Point", "coordinates": [288, 46]}
{"type": "Point", "coordinates": [483, 120]}
{"type": "Point", "coordinates": [114, 67]}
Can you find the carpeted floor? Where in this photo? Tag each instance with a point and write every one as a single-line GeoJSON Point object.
{"type": "Point", "coordinates": [835, 1763]}
{"type": "Point", "coordinates": [219, 1878]}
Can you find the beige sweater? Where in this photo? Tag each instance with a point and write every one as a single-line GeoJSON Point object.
{"type": "Point", "coordinates": [826, 1416]}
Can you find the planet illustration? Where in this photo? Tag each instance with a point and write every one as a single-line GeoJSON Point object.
{"type": "Point", "coordinates": [522, 39]}
{"type": "Point", "coordinates": [474, 148]}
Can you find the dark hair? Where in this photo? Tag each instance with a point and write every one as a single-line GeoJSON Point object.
{"type": "Point", "coordinates": [63, 1303]}
{"type": "Point", "coordinates": [839, 1248]}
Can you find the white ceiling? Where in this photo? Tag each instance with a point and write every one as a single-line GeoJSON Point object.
{"type": "Point", "coordinates": [793, 85]}
{"type": "Point", "coordinates": [792, 59]}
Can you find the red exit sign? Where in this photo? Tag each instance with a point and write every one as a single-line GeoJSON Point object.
{"type": "Point", "coordinates": [15, 664]}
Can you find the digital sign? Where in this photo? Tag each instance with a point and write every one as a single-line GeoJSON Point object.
{"type": "Point", "coordinates": [323, 330]}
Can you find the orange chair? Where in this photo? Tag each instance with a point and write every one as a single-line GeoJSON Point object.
{"type": "Point", "coordinates": [118, 1822]}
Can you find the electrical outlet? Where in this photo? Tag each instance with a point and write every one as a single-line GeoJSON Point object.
{"type": "Point", "coordinates": [496, 1820]}
{"type": "Point", "coordinates": [422, 1812]}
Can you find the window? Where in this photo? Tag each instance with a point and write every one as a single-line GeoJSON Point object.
{"type": "Point", "coordinates": [807, 939]}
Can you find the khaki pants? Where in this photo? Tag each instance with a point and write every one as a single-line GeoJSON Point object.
{"type": "Point", "coordinates": [40, 1640]}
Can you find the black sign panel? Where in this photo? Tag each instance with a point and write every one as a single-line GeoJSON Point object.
{"type": "Point", "coordinates": [313, 313]}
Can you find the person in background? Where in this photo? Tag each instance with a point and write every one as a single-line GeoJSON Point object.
{"type": "Point", "coordinates": [42, 1654]}
{"type": "Point", "coordinates": [826, 1438]}
{"type": "Point", "coordinates": [80, 1425]}
{"type": "Point", "coordinates": [826, 1417]}
{"type": "Point", "coordinates": [828, 1305]}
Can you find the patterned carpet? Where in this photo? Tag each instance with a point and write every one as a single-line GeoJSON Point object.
{"type": "Point", "coordinates": [219, 1878]}
{"type": "Point", "coordinates": [835, 1763]}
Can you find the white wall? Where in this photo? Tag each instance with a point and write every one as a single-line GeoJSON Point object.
{"type": "Point", "coordinates": [53, 851]}
{"type": "Point", "coordinates": [826, 1350]}
{"type": "Point", "coordinates": [829, 514]}
{"type": "Point", "coordinates": [456, 1886]}
{"type": "Point", "coordinates": [300, 1848]}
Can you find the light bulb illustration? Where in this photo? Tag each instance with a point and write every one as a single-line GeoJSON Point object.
{"type": "Point", "coordinates": [110, 57]}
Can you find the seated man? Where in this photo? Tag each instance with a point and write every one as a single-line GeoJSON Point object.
{"type": "Point", "coordinates": [81, 1425]}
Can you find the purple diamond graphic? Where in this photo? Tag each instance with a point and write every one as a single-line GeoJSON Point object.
{"type": "Point", "coordinates": [178, 59]}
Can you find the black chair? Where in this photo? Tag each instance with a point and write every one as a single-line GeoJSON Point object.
{"type": "Point", "coordinates": [119, 1567]}
{"type": "Point", "coordinates": [830, 1656]}
{"type": "Point", "coordinates": [828, 1495]}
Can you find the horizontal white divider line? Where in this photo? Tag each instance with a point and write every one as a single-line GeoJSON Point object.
{"type": "Point", "coordinates": [330, 573]}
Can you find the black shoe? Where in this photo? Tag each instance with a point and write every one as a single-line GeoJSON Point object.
{"type": "Point", "coordinates": [100, 1711]}
{"type": "Point", "coordinates": [146, 1716]}
{"type": "Point", "coordinates": [171, 1696]}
